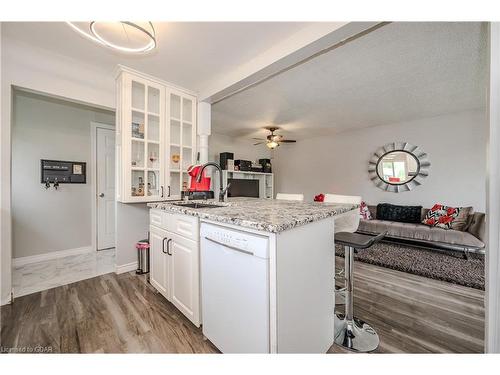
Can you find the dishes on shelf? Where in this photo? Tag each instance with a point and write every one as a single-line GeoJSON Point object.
{"type": "Point", "coordinates": [137, 157]}
{"type": "Point", "coordinates": [138, 191]}
{"type": "Point", "coordinates": [137, 130]}
{"type": "Point", "coordinates": [153, 157]}
{"type": "Point", "coordinates": [152, 183]}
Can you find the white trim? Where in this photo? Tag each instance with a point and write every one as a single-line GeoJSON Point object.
{"type": "Point", "coordinates": [122, 68]}
{"type": "Point", "coordinates": [93, 177]}
{"type": "Point", "coordinates": [492, 296]}
{"type": "Point", "coordinates": [16, 262]}
{"type": "Point", "coordinates": [273, 295]}
{"type": "Point", "coordinates": [63, 98]}
{"type": "Point", "coordinates": [126, 268]}
{"type": "Point", "coordinates": [5, 181]}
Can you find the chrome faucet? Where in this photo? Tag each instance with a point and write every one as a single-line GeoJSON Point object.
{"type": "Point", "coordinates": [222, 192]}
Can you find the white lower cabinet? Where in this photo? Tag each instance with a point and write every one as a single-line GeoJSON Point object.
{"type": "Point", "coordinates": [184, 272]}
{"type": "Point", "coordinates": [174, 259]}
{"type": "Point", "coordinates": [159, 271]}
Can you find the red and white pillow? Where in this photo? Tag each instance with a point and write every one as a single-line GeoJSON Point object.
{"type": "Point", "coordinates": [364, 212]}
{"type": "Point", "coordinates": [441, 216]}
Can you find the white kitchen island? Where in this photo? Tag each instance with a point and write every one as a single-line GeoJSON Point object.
{"type": "Point", "coordinates": [266, 267]}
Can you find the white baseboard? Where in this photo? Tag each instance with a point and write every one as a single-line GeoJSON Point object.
{"type": "Point", "coordinates": [16, 262]}
{"type": "Point", "coordinates": [126, 267]}
{"type": "Point", "coordinates": [5, 301]}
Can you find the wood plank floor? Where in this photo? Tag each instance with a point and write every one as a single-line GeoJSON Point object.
{"type": "Point", "coordinates": [105, 314]}
{"type": "Point", "coordinates": [414, 314]}
{"type": "Point", "coordinates": [124, 314]}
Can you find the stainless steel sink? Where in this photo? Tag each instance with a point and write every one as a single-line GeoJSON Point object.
{"type": "Point", "coordinates": [197, 205]}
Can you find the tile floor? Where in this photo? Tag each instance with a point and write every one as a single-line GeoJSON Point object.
{"type": "Point", "coordinates": [35, 277]}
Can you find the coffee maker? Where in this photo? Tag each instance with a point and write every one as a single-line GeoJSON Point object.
{"type": "Point", "coordinates": [199, 190]}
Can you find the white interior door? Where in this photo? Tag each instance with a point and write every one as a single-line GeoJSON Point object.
{"type": "Point", "coordinates": [105, 164]}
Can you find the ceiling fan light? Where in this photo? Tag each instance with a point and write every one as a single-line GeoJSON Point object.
{"type": "Point", "coordinates": [275, 137]}
{"type": "Point", "coordinates": [272, 144]}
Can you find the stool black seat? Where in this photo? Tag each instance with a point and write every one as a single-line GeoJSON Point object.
{"type": "Point", "coordinates": [357, 240]}
{"type": "Point", "coordinates": [350, 332]}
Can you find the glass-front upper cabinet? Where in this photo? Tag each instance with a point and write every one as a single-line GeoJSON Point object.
{"type": "Point", "coordinates": [182, 140]}
{"type": "Point", "coordinates": [142, 132]}
{"type": "Point", "coordinates": [155, 138]}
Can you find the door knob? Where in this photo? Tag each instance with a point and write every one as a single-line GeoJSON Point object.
{"type": "Point", "coordinates": [101, 195]}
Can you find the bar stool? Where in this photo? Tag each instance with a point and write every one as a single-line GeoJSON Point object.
{"type": "Point", "coordinates": [348, 222]}
{"type": "Point", "coordinates": [350, 332]}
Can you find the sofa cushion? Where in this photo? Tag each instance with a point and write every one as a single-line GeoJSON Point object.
{"type": "Point", "coordinates": [404, 214]}
{"type": "Point", "coordinates": [441, 216]}
{"type": "Point", "coordinates": [420, 232]}
{"type": "Point", "coordinates": [364, 212]}
{"type": "Point", "coordinates": [477, 225]}
{"type": "Point", "coordinates": [462, 221]}
{"type": "Point", "coordinates": [373, 211]}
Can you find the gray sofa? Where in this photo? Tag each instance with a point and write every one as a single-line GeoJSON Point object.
{"type": "Point", "coordinates": [469, 241]}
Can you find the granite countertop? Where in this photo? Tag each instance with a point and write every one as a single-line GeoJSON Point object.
{"type": "Point", "coordinates": [268, 215]}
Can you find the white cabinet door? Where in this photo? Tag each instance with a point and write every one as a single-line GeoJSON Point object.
{"type": "Point", "coordinates": [181, 145]}
{"type": "Point", "coordinates": [159, 260]}
{"type": "Point", "coordinates": [184, 277]}
{"type": "Point", "coordinates": [155, 138]}
{"type": "Point", "coordinates": [141, 138]}
{"type": "Point", "coordinates": [174, 258]}
{"type": "Point", "coordinates": [144, 129]}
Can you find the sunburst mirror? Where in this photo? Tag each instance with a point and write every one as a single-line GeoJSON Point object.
{"type": "Point", "coordinates": [398, 167]}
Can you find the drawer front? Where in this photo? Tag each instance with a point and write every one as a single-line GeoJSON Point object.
{"type": "Point", "coordinates": [156, 218]}
{"type": "Point", "coordinates": [184, 225]}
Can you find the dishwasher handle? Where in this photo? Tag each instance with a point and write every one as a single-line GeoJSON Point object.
{"type": "Point", "coordinates": [229, 246]}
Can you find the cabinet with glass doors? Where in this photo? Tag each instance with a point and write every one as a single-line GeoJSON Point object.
{"type": "Point", "coordinates": [155, 138]}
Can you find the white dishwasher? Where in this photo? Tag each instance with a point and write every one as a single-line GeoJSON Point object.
{"type": "Point", "coordinates": [235, 289]}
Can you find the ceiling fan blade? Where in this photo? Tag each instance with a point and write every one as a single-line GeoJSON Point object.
{"type": "Point", "coordinates": [287, 141]}
{"type": "Point", "coordinates": [259, 139]}
{"type": "Point", "coordinates": [258, 143]}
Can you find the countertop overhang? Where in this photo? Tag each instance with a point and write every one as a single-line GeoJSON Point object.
{"type": "Point", "coordinates": [268, 215]}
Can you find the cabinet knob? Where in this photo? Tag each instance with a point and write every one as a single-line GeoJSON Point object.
{"type": "Point", "coordinates": [101, 195]}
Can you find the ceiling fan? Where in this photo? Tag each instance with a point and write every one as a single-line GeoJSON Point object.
{"type": "Point", "coordinates": [273, 140]}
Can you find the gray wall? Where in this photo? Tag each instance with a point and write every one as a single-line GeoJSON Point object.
{"type": "Point", "coordinates": [46, 128]}
{"type": "Point", "coordinates": [132, 225]}
{"type": "Point", "coordinates": [456, 145]}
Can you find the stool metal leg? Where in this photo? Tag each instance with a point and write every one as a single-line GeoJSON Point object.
{"type": "Point", "coordinates": [350, 332]}
{"type": "Point", "coordinates": [339, 291]}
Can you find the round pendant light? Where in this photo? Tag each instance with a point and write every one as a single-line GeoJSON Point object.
{"type": "Point", "coordinates": [123, 36]}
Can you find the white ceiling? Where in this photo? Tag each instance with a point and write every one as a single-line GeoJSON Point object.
{"type": "Point", "coordinates": [189, 54]}
{"type": "Point", "coordinates": [400, 72]}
